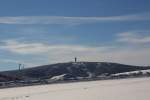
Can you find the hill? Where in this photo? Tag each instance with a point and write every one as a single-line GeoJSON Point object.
{"type": "Point", "coordinates": [72, 70]}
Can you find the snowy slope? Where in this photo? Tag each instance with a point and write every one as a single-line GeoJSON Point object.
{"type": "Point", "coordinates": [125, 89]}
{"type": "Point", "coordinates": [72, 70]}
{"type": "Point", "coordinates": [133, 72]}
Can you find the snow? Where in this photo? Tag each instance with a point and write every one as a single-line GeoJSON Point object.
{"type": "Point", "coordinates": [124, 89]}
{"type": "Point", "coordinates": [132, 72]}
{"type": "Point", "coordinates": [59, 77]}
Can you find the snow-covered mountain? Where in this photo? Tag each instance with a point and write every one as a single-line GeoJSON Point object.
{"type": "Point", "coordinates": [72, 70]}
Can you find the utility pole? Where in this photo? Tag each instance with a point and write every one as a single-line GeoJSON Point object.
{"type": "Point", "coordinates": [20, 67]}
{"type": "Point", "coordinates": [19, 72]}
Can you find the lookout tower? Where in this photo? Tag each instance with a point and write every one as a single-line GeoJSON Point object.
{"type": "Point", "coordinates": [75, 59]}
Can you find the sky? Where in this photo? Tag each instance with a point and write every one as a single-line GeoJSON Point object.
{"type": "Point", "coordinates": [41, 32]}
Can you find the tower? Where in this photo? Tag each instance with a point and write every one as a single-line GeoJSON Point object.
{"type": "Point", "coordinates": [75, 59]}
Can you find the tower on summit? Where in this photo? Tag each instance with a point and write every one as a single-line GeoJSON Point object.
{"type": "Point", "coordinates": [75, 59]}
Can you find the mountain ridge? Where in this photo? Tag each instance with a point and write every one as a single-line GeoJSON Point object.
{"type": "Point", "coordinates": [73, 70]}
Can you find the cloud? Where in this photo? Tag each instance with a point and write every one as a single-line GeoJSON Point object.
{"type": "Point", "coordinates": [23, 48]}
{"type": "Point", "coordinates": [71, 20]}
{"type": "Point", "coordinates": [124, 55]}
{"type": "Point", "coordinates": [47, 54]}
{"type": "Point", "coordinates": [133, 56]}
{"type": "Point", "coordinates": [135, 37]}
{"type": "Point", "coordinates": [9, 61]}
{"type": "Point", "coordinates": [37, 48]}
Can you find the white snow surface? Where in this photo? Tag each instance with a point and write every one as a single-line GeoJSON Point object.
{"type": "Point", "coordinates": [132, 72]}
{"type": "Point", "coordinates": [123, 89]}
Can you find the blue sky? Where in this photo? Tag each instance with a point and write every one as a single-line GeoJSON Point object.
{"type": "Point", "coordinates": [39, 32]}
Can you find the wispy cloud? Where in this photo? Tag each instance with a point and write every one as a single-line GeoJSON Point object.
{"type": "Point", "coordinates": [36, 48]}
{"type": "Point", "coordinates": [23, 48]}
{"type": "Point", "coordinates": [64, 53]}
{"type": "Point", "coordinates": [135, 37]}
{"type": "Point", "coordinates": [71, 20]}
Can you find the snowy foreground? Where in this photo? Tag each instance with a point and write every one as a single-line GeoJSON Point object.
{"type": "Point", "coordinates": [125, 89]}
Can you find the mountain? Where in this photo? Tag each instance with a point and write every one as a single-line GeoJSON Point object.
{"type": "Point", "coordinates": [72, 70]}
{"type": "Point", "coordinates": [5, 78]}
